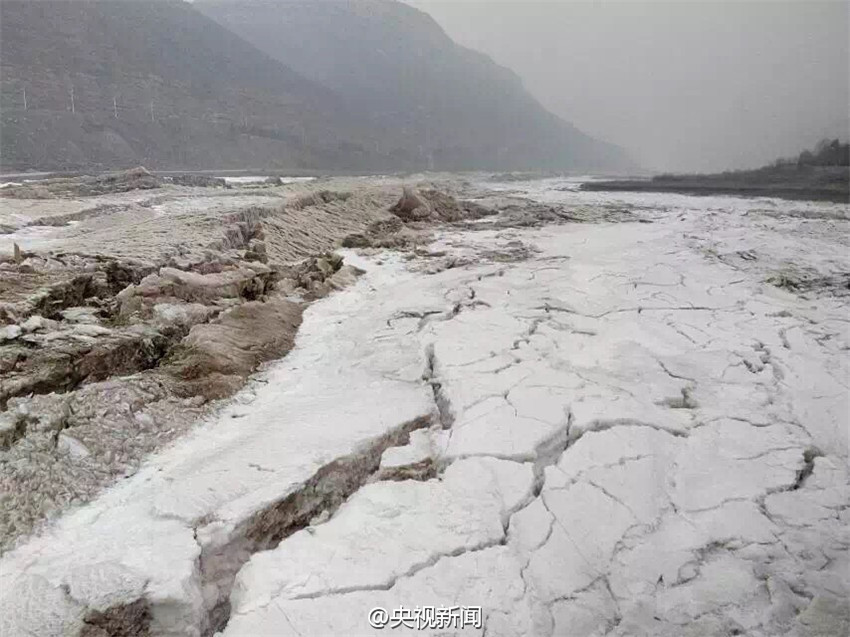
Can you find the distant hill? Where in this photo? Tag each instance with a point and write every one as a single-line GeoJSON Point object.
{"type": "Point", "coordinates": [116, 84]}
{"type": "Point", "coordinates": [820, 174]}
{"type": "Point", "coordinates": [317, 84]}
{"type": "Point", "coordinates": [439, 102]}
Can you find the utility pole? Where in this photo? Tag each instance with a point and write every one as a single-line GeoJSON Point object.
{"type": "Point", "coordinates": [152, 119]}
{"type": "Point", "coordinates": [25, 98]}
{"type": "Point", "coordinates": [73, 106]}
{"type": "Point", "coordinates": [115, 107]}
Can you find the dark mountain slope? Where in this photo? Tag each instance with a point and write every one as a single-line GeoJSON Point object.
{"type": "Point", "coordinates": [436, 100]}
{"type": "Point", "coordinates": [115, 84]}
{"type": "Point", "coordinates": [356, 86]}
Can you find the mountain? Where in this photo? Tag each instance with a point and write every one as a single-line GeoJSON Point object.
{"type": "Point", "coordinates": [113, 84]}
{"type": "Point", "coordinates": [305, 84]}
{"type": "Point", "coordinates": [439, 101]}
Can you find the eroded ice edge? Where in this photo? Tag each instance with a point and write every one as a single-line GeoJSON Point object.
{"type": "Point", "coordinates": [625, 434]}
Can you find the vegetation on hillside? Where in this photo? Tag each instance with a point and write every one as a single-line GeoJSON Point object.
{"type": "Point", "coordinates": [828, 152]}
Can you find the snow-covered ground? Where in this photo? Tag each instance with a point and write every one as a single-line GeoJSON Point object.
{"type": "Point", "coordinates": [630, 433]}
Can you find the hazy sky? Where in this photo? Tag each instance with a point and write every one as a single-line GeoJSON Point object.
{"type": "Point", "coordinates": [681, 85]}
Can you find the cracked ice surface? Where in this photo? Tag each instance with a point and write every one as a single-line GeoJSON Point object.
{"type": "Point", "coordinates": [634, 438]}
{"type": "Point", "coordinates": [691, 475]}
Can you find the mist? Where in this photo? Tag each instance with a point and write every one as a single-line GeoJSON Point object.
{"type": "Point", "coordinates": [686, 86]}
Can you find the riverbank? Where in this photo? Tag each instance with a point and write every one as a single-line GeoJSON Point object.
{"type": "Point", "coordinates": [830, 184]}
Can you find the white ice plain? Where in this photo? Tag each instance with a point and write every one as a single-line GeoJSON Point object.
{"type": "Point", "coordinates": [629, 433]}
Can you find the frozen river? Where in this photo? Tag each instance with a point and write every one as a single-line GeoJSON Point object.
{"type": "Point", "coordinates": [632, 429]}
